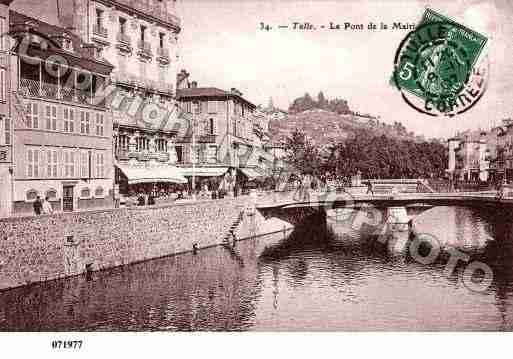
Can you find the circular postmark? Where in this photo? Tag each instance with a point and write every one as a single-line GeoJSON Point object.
{"type": "Point", "coordinates": [439, 70]}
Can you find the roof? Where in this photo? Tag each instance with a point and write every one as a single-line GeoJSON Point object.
{"type": "Point", "coordinates": [81, 57]}
{"type": "Point", "coordinates": [214, 92]}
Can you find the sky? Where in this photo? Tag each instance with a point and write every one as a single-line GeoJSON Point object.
{"type": "Point", "coordinates": [222, 45]}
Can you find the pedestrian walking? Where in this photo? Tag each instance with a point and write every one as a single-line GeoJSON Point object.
{"type": "Point", "coordinates": [369, 188]}
{"type": "Point", "coordinates": [37, 206]}
{"type": "Point", "coordinates": [47, 206]}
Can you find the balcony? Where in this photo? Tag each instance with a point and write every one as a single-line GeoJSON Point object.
{"type": "Point", "coordinates": [163, 55]}
{"type": "Point", "coordinates": [33, 88]}
{"type": "Point", "coordinates": [151, 9]}
{"type": "Point", "coordinates": [199, 139]}
{"type": "Point", "coordinates": [124, 42]}
{"type": "Point", "coordinates": [130, 80]}
{"type": "Point", "coordinates": [144, 49]}
{"type": "Point", "coordinates": [99, 30]}
{"type": "Point", "coordinates": [163, 157]}
{"type": "Point", "coordinates": [122, 154]}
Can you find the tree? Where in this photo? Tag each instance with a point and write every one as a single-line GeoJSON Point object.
{"type": "Point", "coordinates": [322, 103]}
{"type": "Point", "coordinates": [301, 153]}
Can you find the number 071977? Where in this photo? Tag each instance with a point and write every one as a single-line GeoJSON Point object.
{"type": "Point", "coordinates": [66, 344]}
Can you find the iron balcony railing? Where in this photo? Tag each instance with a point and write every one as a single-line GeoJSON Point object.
{"type": "Point", "coordinates": [123, 38]}
{"type": "Point", "coordinates": [100, 31]}
{"type": "Point", "coordinates": [163, 52]}
{"type": "Point", "coordinates": [153, 9]}
{"type": "Point", "coordinates": [144, 46]}
{"type": "Point", "coordinates": [133, 80]}
{"type": "Point", "coordinates": [33, 88]}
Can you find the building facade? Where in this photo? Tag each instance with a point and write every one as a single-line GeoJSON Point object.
{"type": "Point", "coordinates": [6, 130]}
{"type": "Point", "coordinates": [469, 157]}
{"type": "Point", "coordinates": [230, 136]}
{"type": "Point", "coordinates": [62, 136]}
{"type": "Point", "coordinates": [140, 39]}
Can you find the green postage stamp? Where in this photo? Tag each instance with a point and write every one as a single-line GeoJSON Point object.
{"type": "Point", "coordinates": [439, 68]}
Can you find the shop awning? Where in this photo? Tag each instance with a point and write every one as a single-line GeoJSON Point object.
{"type": "Point", "coordinates": [151, 174]}
{"type": "Point", "coordinates": [204, 171]}
{"type": "Point", "coordinates": [251, 173]}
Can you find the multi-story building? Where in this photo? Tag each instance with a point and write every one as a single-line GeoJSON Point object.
{"type": "Point", "coordinates": [62, 141]}
{"type": "Point", "coordinates": [223, 131]}
{"type": "Point", "coordinates": [469, 156]}
{"type": "Point", "coordinates": [140, 39]}
{"type": "Point", "coordinates": [230, 133]}
{"type": "Point", "coordinates": [500, 143]}
{"type": "Point", "coordinates": [6, 130]}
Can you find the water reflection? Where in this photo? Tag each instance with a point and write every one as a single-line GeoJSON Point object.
{"type": "Point", "coordinates": [316, 279]}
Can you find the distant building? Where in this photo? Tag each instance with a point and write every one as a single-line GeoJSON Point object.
{"type": "Point", "coordinates": [469, 158]}
{"type": "Point", "coordinates": [274, 113]}
{"type": "Point", "coordinates": [224, 131]}
{"type": "Point", "coordinates": [62, 141]}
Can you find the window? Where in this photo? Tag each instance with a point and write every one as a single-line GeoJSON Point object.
{"type": "Point", "coordinates": [123, 142]}
{"type": "Point", "coordinates": [212, 154]}
{"type": "Point", "coordinates": [84, 164]}
{"type": "Point", "coordinates": [69, 163]}
{"type": "Point", "coordinates": [5, 128]}
{"type": "Point", "coordinates": [88, 123]}
{"type": "Point", "coordinates": [100, 172]}
{"type": "Point", "coordinates": [3, 80]}
{"type": "Point", "coordinates": [32, 195]}
{"type": "Point", "coordinates": [32, 115]}
{"type": "Point", "coordinates": [211, 130]}
{"type": "Point", "coordinates": [51, 163]}
{"type": "Point", "coordinates": [3, 39]}
{"type": "Point", "coordinates": [212, 106]}
{"type": "Point", "coordinates": [85, 122]}
{"type": "Point", "coordinates": [85, 193]}
{"type": "Point", "coordinates": [179, 154]}
{"type": "Point", "coordinates": [69, 123]}
{"type": "Point", "coordinates": [142, 144]}
{"type": "Point", "coordinates": [122, 25]}
{"type": "Point", "coordinates": [34, 163]}
{"type": "Point", "coordinates": [99, 192]}
{"type": "Point", "coordinates": [162, 37]}
{"type": "Point", "coordinates": [99, 124]}
{"type": "Point", "coordinates": [161, 145]}
{"type": "Point", "coordinates": [99, 52]}
{"type": "Point", "coordinates": [99, 18]}
{"type": "Point", "coordinates": [51, 194]}
{"type": "Point", "coordinates": [51, 117]}
{"type": "Point", "coordinates": [143, 33]}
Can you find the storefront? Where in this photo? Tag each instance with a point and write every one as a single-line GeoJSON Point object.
{"type": "Point", "coordinates": [159, 179]}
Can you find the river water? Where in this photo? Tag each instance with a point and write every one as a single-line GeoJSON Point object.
{"type": "Point", "coordinates": [311, 280]}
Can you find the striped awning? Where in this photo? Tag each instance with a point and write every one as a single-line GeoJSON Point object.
{"type": "Point", "coordinates": [152, 174]}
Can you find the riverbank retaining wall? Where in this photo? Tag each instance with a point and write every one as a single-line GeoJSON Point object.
{"type": "Point", "coordinates": [35, 249]}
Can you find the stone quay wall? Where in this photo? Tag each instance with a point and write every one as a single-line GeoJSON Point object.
{"type": "Point", "coordinates": [36, 249]}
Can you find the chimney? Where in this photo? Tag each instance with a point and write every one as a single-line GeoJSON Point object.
{"type": "Point", "coordinates": [236, 92]}
{"type": "Point", "coordinates": [194, 84]}
{"type": "Point", "coordinates": [181, 79]}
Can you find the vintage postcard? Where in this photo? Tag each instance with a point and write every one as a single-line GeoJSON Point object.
{"type": "Point", "coordinates": [255, 166]}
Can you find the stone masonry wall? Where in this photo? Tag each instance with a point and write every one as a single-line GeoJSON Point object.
{"type": "Point", "coordinates": [34, 249]}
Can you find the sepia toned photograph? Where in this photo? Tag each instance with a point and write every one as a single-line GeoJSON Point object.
{"type": "Point", "coordinates": [255, 166]}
